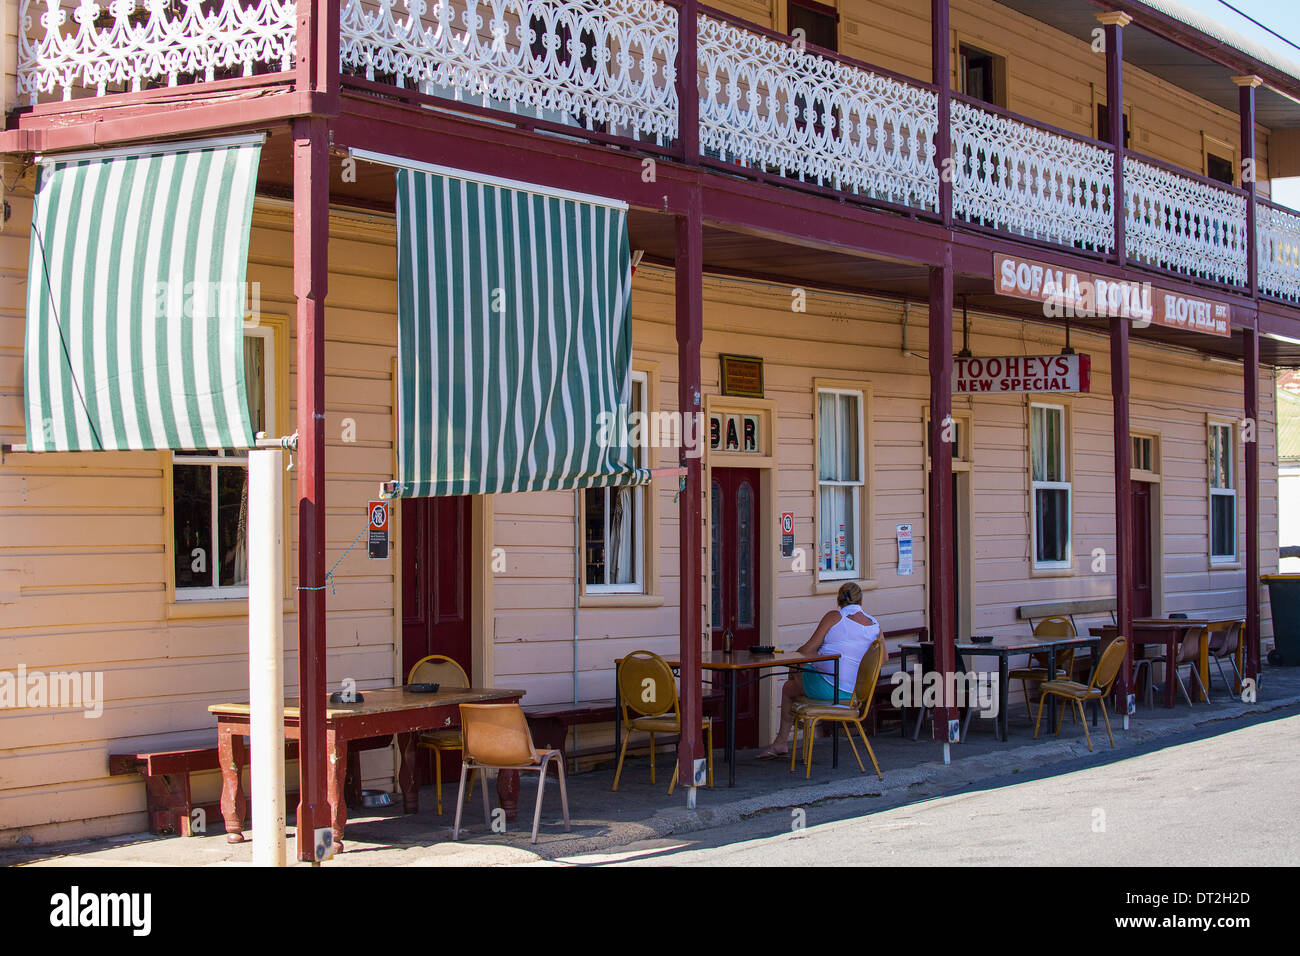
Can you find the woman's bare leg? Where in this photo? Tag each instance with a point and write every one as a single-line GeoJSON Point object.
{"type": "Point", "coordinates": [789, 692]}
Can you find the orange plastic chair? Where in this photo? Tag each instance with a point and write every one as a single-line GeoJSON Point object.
{"type": "Point", "coordinates": [852, 713]}
{"type": "Point", "coordinates": [1103, 676]}
{"type": "Point", "coordinates": [497, 737]}
{"type": "Point", "coordinates": [1036, 672]}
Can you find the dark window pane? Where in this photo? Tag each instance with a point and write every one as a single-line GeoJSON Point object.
{"type": "Point", "coordinates": [192, 511]}
{"type": "Point", "coordinates": [1223, 525]}
{"type": "Point", "coordinates": [715, 505]}
{"type": "Point", "coordinates": [232, 526]}
{"type": "Point", "coordinates": [1216, 167]}
{"type": "Point", "coordinates": [745, 557]}
{"type": "Point", "coordinates": [1052, 523]}
{"type": "Point", "coordinates": [595, 535]}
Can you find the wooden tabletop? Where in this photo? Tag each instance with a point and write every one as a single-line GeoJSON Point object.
{"type": "Point", "coordinates": [1009, 644]}
{"type": "Point", "coordinates": [747, 660]}
{"type": "Point", "coordinates": [382, 700]}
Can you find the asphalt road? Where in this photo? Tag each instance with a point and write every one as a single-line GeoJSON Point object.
{"type": "Point", "coordinates": [1224, 795]}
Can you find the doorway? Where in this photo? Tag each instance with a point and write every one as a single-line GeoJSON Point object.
{"type": "Point", "coordinates": [437, 555]}
{"type": "Point", "coordinates": [735, 579]}
{"type": "Point", "coordinates": [1140, 595]}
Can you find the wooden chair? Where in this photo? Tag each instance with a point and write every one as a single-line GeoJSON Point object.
{"type": "Point", "coordinates": [648, 692]}
{"type": "Point", "coordinates": [853, 713]}
{"type": "Point", "coordinates": [1036, 672]}
{"type": "Point", "coordinates": [496, 737]}
{"type": "Point", "coordinates": [446, 673]}
{"type": "Point", "coordinates": [1189, 652]}
{"type": "Point", "coordinates": [1097, 689]}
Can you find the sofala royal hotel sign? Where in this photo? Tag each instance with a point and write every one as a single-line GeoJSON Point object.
{"type": "Point", "coordinates": [1067, 293]}
{"type": "Point", "coordinates": [1021, 373]}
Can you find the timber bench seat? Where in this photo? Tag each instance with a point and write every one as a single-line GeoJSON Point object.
{"type": "Point", "coordinates": [882, 704]}
{"type": "Point", "coordinates": [166, 772]}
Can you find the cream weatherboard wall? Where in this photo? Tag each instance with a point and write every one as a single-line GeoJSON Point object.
{"type": "Point", "coordinates": [87, 535]}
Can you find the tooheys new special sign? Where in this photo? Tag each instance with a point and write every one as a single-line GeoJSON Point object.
{"type": "Point", "coordinates": [1068, 293]}
{"type": "Point", "coordinates": [1021, 373]}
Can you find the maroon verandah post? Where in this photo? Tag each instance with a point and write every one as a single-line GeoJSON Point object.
{"type": "Point", "coordinates": [688, 265]}
{"type": "Point", "coordinates": [1119, 360]}
{"type": "Point", "coordinates": [317, 69]}
{"type": "Point", "coordinates": [939, 546]}
{"type": "Point", "coordinates": [1250, 375]}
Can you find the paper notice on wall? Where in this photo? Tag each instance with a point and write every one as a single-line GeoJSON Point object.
{"type": "Point", "coordinates": [904, 549]}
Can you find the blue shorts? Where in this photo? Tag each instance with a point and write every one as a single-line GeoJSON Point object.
{"type": "Point", "coordinates": [819, 687]}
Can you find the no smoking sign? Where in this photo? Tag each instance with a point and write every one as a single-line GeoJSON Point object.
{"type": "Point", "coordinates": [378, 529]}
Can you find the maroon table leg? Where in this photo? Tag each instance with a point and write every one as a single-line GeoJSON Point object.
{"type": "Point", "coordinates": [352, 791]}
{"type": "Point", "coordinates": [336, 785]}
{"type": "Point", "coordinates": [230, 752]}
{"type": "Point", "coordinates": [406, 773]}
{"type": "Point", "coordinates": [508, 792]}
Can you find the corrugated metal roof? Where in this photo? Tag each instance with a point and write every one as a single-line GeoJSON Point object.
{"type": "Point", "coordinates": [1224, 34]}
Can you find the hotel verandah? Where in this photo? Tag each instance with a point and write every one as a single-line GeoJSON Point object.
{"type": "Point", "coordinates": [804, 176]}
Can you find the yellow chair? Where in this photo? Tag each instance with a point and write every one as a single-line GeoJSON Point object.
{"type": "Point", "coordinates": [851, 713]}
{"type": "Point", "coordinates": [497, 737]}
{"type": "Point", "coordinates": [648, 690]}
{"type": "Point", "coordinates": [447, 674]}
{"type": "Point", "coordinates": [1103, 676]}
{"type": "Point", "coordinates": [1036, 672]}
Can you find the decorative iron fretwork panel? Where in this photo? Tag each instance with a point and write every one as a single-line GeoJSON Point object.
{"type": "Point", "coordinates": [606, 65]}
{"type": "Point", "coordinates": [1277, 233]}
{"type": "Point", "coordinates": [1030, 181]}
{"type": "Point", "coordinates": [1184, 225]}
{"type": "Point", "coordinates": [771, 106]}
{"type": "Point", "coordinates": [153, 43]}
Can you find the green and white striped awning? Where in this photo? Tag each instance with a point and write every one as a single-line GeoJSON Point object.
{"type": "Point", "coordinates": [136, 298]}
{"type": "Point", "coordinates": [515, 338]}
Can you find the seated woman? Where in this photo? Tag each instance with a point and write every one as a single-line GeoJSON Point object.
{"type": "Point", "coordinates": [848, 632]}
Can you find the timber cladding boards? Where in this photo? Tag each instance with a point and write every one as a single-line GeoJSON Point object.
{"type": "Point", "coordinates": [88, 534]}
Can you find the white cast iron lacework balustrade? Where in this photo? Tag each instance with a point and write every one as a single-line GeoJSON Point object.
{"type": "Point", "coordinates": [134, 46]}
{"type": "Point", "coordinates": [768, 105]}
{"type": "Point", "coordinates": [1277, 233]}
{"type": "Point", "coordinates": [1183, 224]}
{"type": "Point", "coordinates": [1030, 181]}
{"type": "Point", "coordinates": [606, 65]}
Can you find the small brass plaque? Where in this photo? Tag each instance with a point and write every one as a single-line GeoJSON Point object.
{"type": "Point", "coordinates": [742, 375]}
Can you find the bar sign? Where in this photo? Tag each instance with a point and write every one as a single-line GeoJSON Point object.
{"type": "Point", "coordinates": [378, 529]}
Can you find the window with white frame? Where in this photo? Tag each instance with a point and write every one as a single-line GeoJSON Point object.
{"type": "Point", "coordinates": [1051, 486]}
{"type": "Point", "coordinates": [210, 493]}
{"type": "Point", "coordinates": [1223, 494]}
{"type": "Point", "coordinates": [841, 464]}
{"type": "Point", "coordinates": [613, 536]}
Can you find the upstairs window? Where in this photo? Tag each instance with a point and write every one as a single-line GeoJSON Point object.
{"type": "Point", "coordinates": [1219, 169]}
{"type": "Point", "coordinates": [1103, 125]}
{"type": "Point", "coordinates": [820, 23]}
{"type": "Point", "coordinates": [983, 75]}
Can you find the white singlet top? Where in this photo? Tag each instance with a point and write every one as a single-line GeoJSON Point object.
{"type": "Point", "coordinates": [850, 640]}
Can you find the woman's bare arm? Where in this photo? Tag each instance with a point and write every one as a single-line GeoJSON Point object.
{"type": "Point", "coordinates": [818, 636]}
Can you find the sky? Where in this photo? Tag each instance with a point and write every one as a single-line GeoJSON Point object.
{"type": "Point", "coordinates": [1282, 16]}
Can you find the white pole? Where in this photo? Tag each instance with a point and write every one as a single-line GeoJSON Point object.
{"type": "Point", "coordinates": [266, 652]}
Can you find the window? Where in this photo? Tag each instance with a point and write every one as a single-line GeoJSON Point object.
{"type": "Point", "coordinates": [1223, 494]}
{"type": "Point", "coordinates": [210, 493]}
{"type": "Point", "coordinates": [614, 524]}
{"type": "Point", "coordinates": [1103, 125]}
{"type": "Point", "coordinates": [982, 74]}
{"type": "Point", "coordinates": [1051, 486]}
{"type": "Point", "coordinates": [1144, 453]}
{"type": "Point", "coordinates": [840, 468]}
{"type": "Point", "coordinates": [1219, 169]}
{"type": "Point", "coordinates": [819, 23]}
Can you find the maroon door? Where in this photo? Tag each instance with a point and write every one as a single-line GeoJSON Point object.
{"type": "Point", "coordinates": [1140, 594]}
{"type": "Point", "coordinates": [735, 581]}
{"type": "Point", "coordinates": [436, 556]}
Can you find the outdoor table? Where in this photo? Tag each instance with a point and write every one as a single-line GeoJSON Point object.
{"type": "Point", "coordinates": [1003, 648]}
{"type": "Point", "coordinates": [731, 665]}
{"type": "Point", "coordinates": [383, 712]}
{"type": "Point", "coordinates": [1169, 634]}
